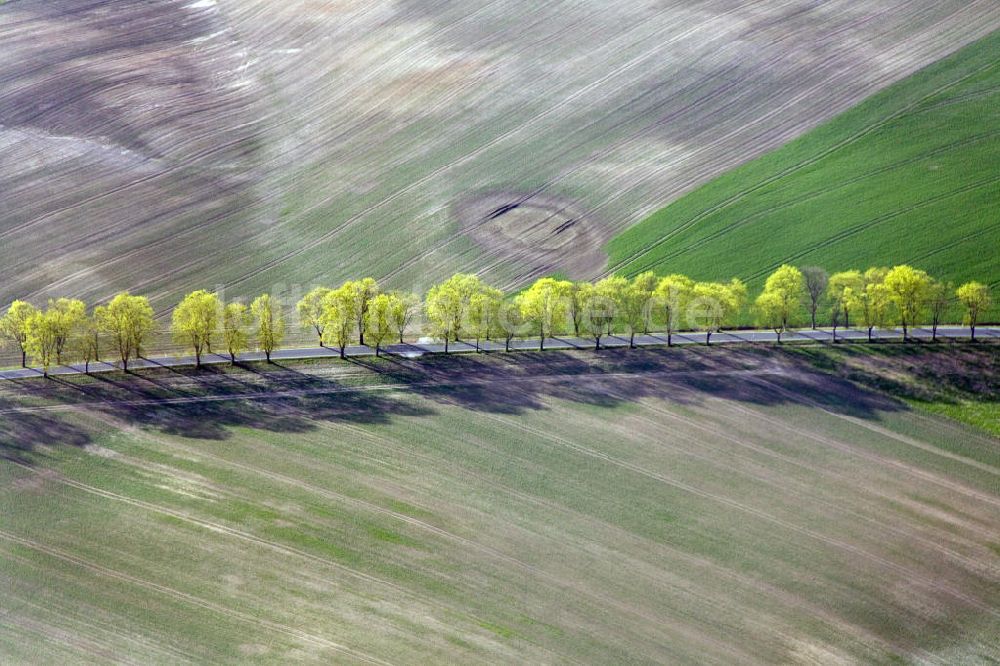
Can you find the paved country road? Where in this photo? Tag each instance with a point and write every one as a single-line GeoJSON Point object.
{"type": "Point", "coordinates": [418, 349]}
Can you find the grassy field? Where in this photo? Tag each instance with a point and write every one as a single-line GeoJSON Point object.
{"type": "Point", "coordinates": [910, 176]}
{"type": "Point", "coordinates": [955, 381]}
{"type": "Point", "coordinates": [709, 505]}
{"type": "Point", "coordinates": [257, 144]}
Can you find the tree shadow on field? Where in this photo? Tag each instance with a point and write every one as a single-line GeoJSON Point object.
{"type": "Point", "coordinates": [524, 381]}
{"type": "Point", "coordinates": [941, 372]}
{"type": "Point", "coordinates": [207, 403]}
{"type": "Point", "coordinates": [23, 434]}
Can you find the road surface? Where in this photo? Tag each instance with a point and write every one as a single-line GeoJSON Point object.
{"type": "Point", "coordinates": [413, 350]}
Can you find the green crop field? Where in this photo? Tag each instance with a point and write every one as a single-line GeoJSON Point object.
{"type": "Point", "coordinates": [696, 505]}
{"type": "Point", "coordinates": [912, 175]}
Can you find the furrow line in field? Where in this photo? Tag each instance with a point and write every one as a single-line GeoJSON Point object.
{"type": "Point", "coordinates": [853, 138]}
{"type": "Point", "coordinates": [705, 148]}
{"type": "Point", "coordinates": [222, 529]}
{"type": "Point", "coordinates": [621, 69]}
{"type": "Point", "coordinates": [188, 598]}
{"type": "Point", "coordinates": [749, 582]}
{"type": "Point", "coordinates": [418, 523]}
{"type": "Point", "coordinates": [50, 636]}
{"type": "Point", "coordinates": [179, 268]}
{"type": "Point", "coordinates": [802, 400]}
{"type": "Point", "coordinates": [795, 201]}
{"type": "Point", "coordinates": [745, 508]}
{"type": "Point", "coordinates": [805, 488]}
{"type": "Point", "coordinates": [551, 579]}
{"type": "Point", "coordinates": [76, 618]}
{"type": "Point", "coordinates": [866, 226]}
{"type": "Point", "coordinates": [174, 237]}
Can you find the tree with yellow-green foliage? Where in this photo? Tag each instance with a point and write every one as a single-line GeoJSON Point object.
{"type": "Point", "coordinates": [976, 298]}
{"type": "Point", "coordinates": [510, 321]}
{"type": "Point", "coordinates": [444, 308]}
{"type": "Point", "coordinates": [713, 305]}
{"type": "Point", "coordinates": [13, 326]}
{"type": "Point", "coordinates": [545, 305]}
{"type": "Point", "coordinates": [405, 308]}
{"type": "Point", "coordinates": [614, 288]}
{"type": "Point", "coordinates": [643, 287]}
{"type": "Point", "coordinates": [633, 308]}
{"type": "Point", "coordinates": [195, 321]}
{"type": "Point", "coordinates": [310, 310]}
{"type": "Point", "coordinates": [86, 341]}
{"type": "Point", "coordinates": [362, 292]}
{"type": "Point", "coordinates": [842, 290]}
{"type": "Point", "coordinates": [378, 320]}
{"type": "Point", "coordinates": [907, 288]}
{"type": "Point", "coordinates": [599, 307]}
{"type": "Point", "coordinates": [41, 338]}
{"type": "Point", "coordinates": [66, 316]}
{"type": "Point", "coordinates": [128, 320]}
{"type": "Point", "coordinates": [236, 320]}
{"type": "Point", "coordinates": [339, 316]}
{"type": "Point", "coordinates": [781, 300]}
{"type": "Point", "coordinates": [575, 305]}
{"type": "Point", "coordinates": [871, 300]}
{"type": "Point", "coordinates": [738, 295]}
{"type": "Point", "coordinates": [447, 305]}
{"type": "Point", "coordinates": [484, 313]}
{"type": "Point", "coordinates": [673, 293]}
{"type": "Point", "coordinates": [270, 324]}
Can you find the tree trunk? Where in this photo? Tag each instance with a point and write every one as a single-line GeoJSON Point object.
{"type": "Point", "coordinates": [972, 328]}
{"type": "Point", "coordinates": [813, 312]}
{"type": "Point", "coordinates": [541, 339]}
{"type": "Point", "coordinates": [232, 358]}
{"type": "Point", "coordinates": [124, 364]}
{"type": "Point", "coordinates": [631, 340]}
{"type": "Point", "coordinates": [361, 335]}
{"type": "Point", "coordinates": [870, 333]}
{"type": "Point", "coordinates": [446, 344]}
{"type": "Point", "coordinates": [197, 360]}
{"type": "Point", "coordinates": [906, 335]}
{"type": "Point", "coordinates": [268, 355]}
{"type": "Point", "coordinates": [708, 338]}
{"type": "Point", "coordinates": [86, 367]}
{"type": "Point", "coordinates": [24, 359]}
{"type": "Point", "coordinates": [670, 338]}
{"type": "Point", "coordinates": [507, 344]}
{"type": "Point", "coordinates": [343, 353]}
{"type": "Point", "coordinates": [934, 333]}
{"type": "Point", "coordinates": [597, 343]}
{"type": "Point", "coordinates": [779, 336]}
{"type": "Point", "coordinates": [378, 350]}
{"type": "Point", "coordinates": [834, 335]}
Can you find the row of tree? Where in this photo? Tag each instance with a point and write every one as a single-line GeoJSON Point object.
{"type": "Point", "coordinates": [878, 297]}
{"type": "Point", "coordinates": [465, 307]}
{"type": "Point", "coordinates": [65, 330]}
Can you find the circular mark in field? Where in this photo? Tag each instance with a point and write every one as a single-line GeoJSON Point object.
{"type": "Point", "coordinates": [542, 233]}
